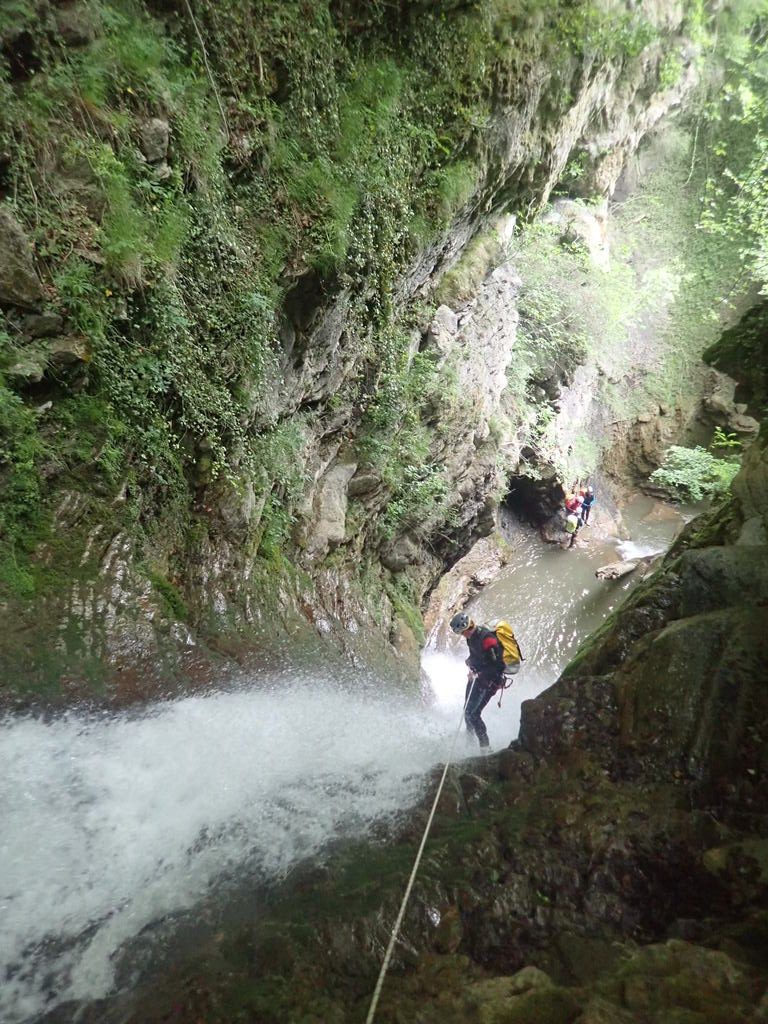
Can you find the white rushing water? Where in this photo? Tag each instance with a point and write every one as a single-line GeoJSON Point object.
{"type": "Point", "coordinates": [110, 822]}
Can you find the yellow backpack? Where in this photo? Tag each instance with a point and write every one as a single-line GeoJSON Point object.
{"type": "Point", "coordinates": [509, 645]}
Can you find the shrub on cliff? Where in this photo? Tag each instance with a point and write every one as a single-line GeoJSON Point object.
{"type": "Point", "coordinates": [691, 474]}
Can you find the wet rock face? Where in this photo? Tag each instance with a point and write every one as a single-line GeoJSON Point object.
{"type": "Point", "coordinates": [742, 353]}
{"type": "Point", "coordinates": [19, 284]}
{"type": "Point", "coordinates": [566, 715]}
{"type": "Point", "coordinates": [684, 658]}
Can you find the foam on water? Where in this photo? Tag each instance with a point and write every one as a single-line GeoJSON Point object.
{"type": "Point", "coordinates": [447, 675]}
{"type": "Point", "coordinates": [110, 822]}
{"type": "Point", "coordinates": [629, 549]}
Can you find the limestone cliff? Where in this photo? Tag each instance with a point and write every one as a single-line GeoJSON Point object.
{"type": "Point", "coordinates": [233, 407]}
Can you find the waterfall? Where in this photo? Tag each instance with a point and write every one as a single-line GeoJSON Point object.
{"type": "Point", "coordinates": [111, 822]}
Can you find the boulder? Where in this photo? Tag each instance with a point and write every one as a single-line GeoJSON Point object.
{"type": "Point", "coordinates": [400, 554]}
{"type": "Point", "coordinates": [28, 368]}
{"type": "Point", "coordinates": [75, 24]}
{"type": "Point", "coordinates": [68, 350]}
{"type": "Point", "coordinates": [719, 408]}
{"type": "Point", "coordinates": [42, 325]}
{"type": "Point", "coordinates": [679, 686]}
{"type": "Point", "coordinates": [19, 284]}
{"type": "Point", "coordinates": [330, 509]}
{"type": "Point", "coordinates": [58, 354]}
{"type": "Point", "coordinates": [718, 577]}
{"type": "Point", "coordinates": [615, 570]}
{"type": "Point", "coordinates": [363, 483]}
{"type": "Point", "coordinates": [443, 329]}
{"type": "Point", "coordinates": [154, 138]}
{"type": "Point", "coordinates": [79, 190]}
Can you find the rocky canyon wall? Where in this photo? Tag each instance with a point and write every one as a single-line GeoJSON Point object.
{"type": "Point", "coordinates": [217, 442]}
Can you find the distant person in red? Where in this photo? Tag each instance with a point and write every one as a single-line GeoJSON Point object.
{"type": "Point", "coordinates": [486, 672]}
{"type": "Point", "coordinates": [573, 504]}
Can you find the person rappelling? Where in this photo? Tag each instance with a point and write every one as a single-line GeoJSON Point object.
{"type": "Point", "coordinates": [486, 672]}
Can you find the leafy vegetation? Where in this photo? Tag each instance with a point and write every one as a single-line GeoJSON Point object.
{"type": "Point", "coordinates": [691, 474]}
{"type": "Point", "coordinates": [735, 135]}
{"type": "Point", "coordinates": [314, 150]}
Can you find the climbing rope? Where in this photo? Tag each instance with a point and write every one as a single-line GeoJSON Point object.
{"type": "Point", "coordinates": [208, 70]}
{"type": "Point", "coordinates": [412, 879]}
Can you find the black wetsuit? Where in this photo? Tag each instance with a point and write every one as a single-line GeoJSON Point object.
{"type": "Point", "coordinates": [486, 660]}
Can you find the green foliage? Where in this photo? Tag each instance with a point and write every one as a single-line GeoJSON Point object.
{"type": "Point", "coordinates": [691, 474]}
{"type": "Point", "coordinates": [568, 307]}
{"type": "Point", "coordinates": [420, 492]}
{"type": "Point", "coordinates": [671, 70]}
{"type": "Point", "coordinates": [281, 475]}
{"type": "Point", "coordinates": [737, 193]}
{"type": "Point", "coordinates": [573, 174]}
{"type": "Point", "coordinates": [567, 303]}
{"type": "Point", "coordinates": [452, 187]}
{"type": "Point", "coordinates": [724, 442]}
{"type": "Point", "coordinates": [462, 281]}
{"type": "Point", "coordinates": [396, 441]}
{"type": "Point", "coordinates": [344, 153]}
{"type": "Point", "coordinates": [684, 277]}
{"type": "Point", "coordinates": [406, 606]}
{"type": "Point", "coordinates": [604, 32]}
{"type": "Point", "coordinates": [124, 239]}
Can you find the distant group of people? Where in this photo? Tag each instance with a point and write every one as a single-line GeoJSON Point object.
{"type": "Point", "coordinates": [578, 505]}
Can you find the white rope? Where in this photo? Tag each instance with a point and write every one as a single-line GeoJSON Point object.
{"type": "Point", "coordinates": [208, 70]}
{"type": "Point", "coordinates": [412, 879]}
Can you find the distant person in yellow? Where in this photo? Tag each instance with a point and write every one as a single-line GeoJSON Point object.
{"type": "Point", "coordinates": [572, 524]}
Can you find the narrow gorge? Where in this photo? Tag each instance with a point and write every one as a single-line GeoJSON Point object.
{"type": "Point", "coordinates": [311, 316]}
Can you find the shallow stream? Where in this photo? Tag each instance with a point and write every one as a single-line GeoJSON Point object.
{"type": "Point", "coordinates": [553, 601]}
{"type": "Point", "coordinates": [111, 822]}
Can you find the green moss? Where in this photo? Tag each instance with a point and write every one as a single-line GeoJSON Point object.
{"type": "Point", "coordinates": [463, 281]}
{"type": "Point", "coordinates": [711, 528]}
{"type": "Point", "coordinates": [407, 608]}
{"type": "Point", "coordinates": [545, 1006]}
{"type": "Point", "coordinates": [169, 593]}
{"type": "Point", "coordinates": [24, 520]}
